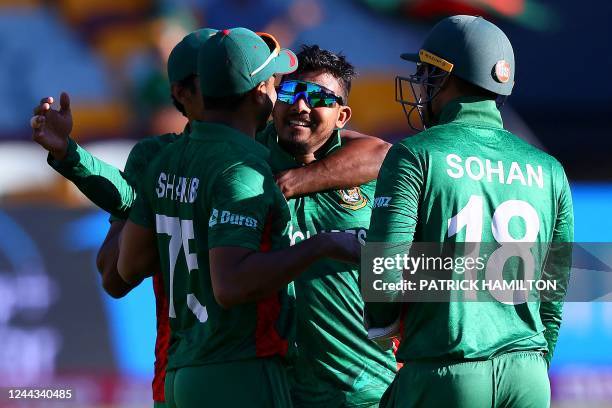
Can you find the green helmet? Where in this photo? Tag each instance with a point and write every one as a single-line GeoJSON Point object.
{"type": "Point", "coordinates": [471, 48]}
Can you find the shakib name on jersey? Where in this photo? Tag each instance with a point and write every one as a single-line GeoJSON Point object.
{"type": "Point", "coordinates": [178, 188]}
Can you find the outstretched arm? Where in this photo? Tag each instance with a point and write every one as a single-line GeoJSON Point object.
{"type": "Point", "coordinates": [356, 162]}
{"type": "Point", "coordinates": [103, 184]}
{"type": "Point", "coordinates": [240, 275]}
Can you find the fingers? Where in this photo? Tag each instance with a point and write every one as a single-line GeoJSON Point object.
{"type": "Point", "coordinates": [36, 122]}
{"type": "Point", "coordinates": [43, 106]}
{"type": "Point", "coordinates": [64, 103]}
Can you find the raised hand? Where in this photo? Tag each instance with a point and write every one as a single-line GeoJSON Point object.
{"type": "Point", "coordinates": [50, 127]}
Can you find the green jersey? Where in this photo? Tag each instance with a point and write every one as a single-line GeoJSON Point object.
{"type": "Point", "coordinates": [105, 185]}
{"type": "Point", "coordinates": [336, 364]}
{"type": "Point", "coordinates": [469, 180]}
{"type": "Point", "coordinates": [211, 189]}
{"type": "Point", "coordinates": [115, 191]}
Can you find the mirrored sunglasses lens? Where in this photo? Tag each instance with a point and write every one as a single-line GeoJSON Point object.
{"type": "Point", "coordinates": [288, 86]}
{"type": "Point", "coordinates": [319, 100]}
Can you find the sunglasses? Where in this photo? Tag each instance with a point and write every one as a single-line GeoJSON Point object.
{"type": "Point", "coordinates": [315, 95]}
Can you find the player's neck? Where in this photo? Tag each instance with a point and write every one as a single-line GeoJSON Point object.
{"type": "Point", "coordinates": [233, 120]}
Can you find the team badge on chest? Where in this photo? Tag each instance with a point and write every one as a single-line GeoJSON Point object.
{"type": "Point", "coordinates": [352, 198]}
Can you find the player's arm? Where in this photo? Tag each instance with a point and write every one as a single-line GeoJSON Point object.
{"type": "Point", "coordinates": [138, 256]}
{"type": "Point", "coordinates": [103, 184]}
{"type": "Point", "coordinates": [558, 265]}
{"type": "Point", "coordinates": [392, 225]}
{"type": "Point", "coordinates": [241, 275]}
{"type": "Point", "coordinates": [107, 259]}
{"type": "Point", "coordinates": [356, 162]}
{"type": "Point", "coordinates": [246, 208]}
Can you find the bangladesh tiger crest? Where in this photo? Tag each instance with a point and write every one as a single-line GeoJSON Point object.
{"type": "Point", "coordinates": [352, 198]}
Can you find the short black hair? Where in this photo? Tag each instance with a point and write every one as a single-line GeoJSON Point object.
{"type": "Point", "coordinates": [312, 58]}
{"type": "Point", "coordinates": [188, 83]}
{"type": "Point", "coordinates": [223, 102]}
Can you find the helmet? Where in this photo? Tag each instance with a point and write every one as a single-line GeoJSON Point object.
{"type": "Point", "coordinates": [469, 47]}
{"type": "Point", "coordinates": [477, 50]}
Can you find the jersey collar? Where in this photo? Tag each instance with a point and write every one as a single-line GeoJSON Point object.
{"type": "Point", "coordinates": [209, 131]}
{"type": "Point", "coordinates": [473, 110]}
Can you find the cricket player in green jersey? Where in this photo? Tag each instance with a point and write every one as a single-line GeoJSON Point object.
{"type": "Point", "coordinates": [114, 190]}
{"type": "Point", "coordinates": [337, 365]}
{"type": "Point", "coordinates": [356, 162]}
{"type": "Point", "coordinates": [207, 209]}
{"type": "Point", "coordinates": [466, 179]}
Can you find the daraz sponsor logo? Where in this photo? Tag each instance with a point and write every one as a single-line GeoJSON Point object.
{"type": "Point", "coordinates": [226, 217]}
{"type": "Point", "coordinates": [380, 202]}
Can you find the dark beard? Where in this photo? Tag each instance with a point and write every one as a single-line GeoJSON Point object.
{"type": "Point", "coordinates": [293, 147]}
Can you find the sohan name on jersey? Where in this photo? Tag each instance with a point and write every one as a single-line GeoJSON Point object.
{"type": "Point", "coordinates": [477, 168]}
{"type": "Point", "coordinates": [178, 188]}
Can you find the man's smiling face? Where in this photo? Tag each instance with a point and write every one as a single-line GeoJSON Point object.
{"type": "Point", "coordinates": [303, 129]}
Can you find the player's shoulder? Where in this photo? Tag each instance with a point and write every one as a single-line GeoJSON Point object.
{"type": "Point", "coordinates": [528, 150]}
{"type": "Point", "coordinates": [424, 139]}
{"type": "Point", "coordinates": [146, 149]}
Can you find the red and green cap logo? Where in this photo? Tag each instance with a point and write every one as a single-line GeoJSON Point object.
{"type": "Point", "coordinates": [235, 60]}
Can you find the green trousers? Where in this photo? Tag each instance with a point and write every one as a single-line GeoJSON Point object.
{"type": "Point", "coordinates": [260, 382]}
{"type": "Point", "coordinates": [517, 380]}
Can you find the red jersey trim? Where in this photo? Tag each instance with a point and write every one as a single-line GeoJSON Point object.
{"type": "Point", "coordinates": [162, 343]}
{"type": "Point", "coordinates": [268, 341]}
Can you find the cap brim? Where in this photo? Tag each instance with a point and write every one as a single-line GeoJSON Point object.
{"type": "Point", "coordinates": [286, 62]}
{"type": "Point", "coordinates": [411, 56]}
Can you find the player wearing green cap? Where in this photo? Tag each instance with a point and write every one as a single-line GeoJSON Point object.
{"type": "Point", "coordinates": [336, 365]}
{"type": "Point", "coordinates": [210, 204]}
{"type": "Point", "coordinates": [466, 179]}
{"type": "Point", "coordinates": [112, 189]}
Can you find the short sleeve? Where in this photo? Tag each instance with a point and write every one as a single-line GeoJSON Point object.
{"type": "Point", "coordinates": [393, 222]}
{"type": "Point", "coordinates": [396, 201]}
{"type": "Point", "coordinates": [142, 212]}
{"type": "Point", "coordinates": [241, 205]}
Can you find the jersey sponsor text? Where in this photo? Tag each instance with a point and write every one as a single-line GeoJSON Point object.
{"type": "Point", "coordinates": [229, 218]}
{"type": "Point", "coordinates": [381, 202]}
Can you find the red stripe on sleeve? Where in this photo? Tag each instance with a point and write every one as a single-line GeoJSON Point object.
{"type": "Point", "coordinates": [268, 341]}
{"type": "Point", "coordinates": [162, 343]}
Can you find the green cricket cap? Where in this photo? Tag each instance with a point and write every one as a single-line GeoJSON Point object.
{"type": "Point", "coordinates": [472, 48]}
{"type": "Point", "coordinates": [235, 60]}
{"type": "Point", "coordinates": [183, 59]}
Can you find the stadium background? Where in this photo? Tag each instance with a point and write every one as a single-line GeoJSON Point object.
{"type": "Point", "coordinates": [58, 328]}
